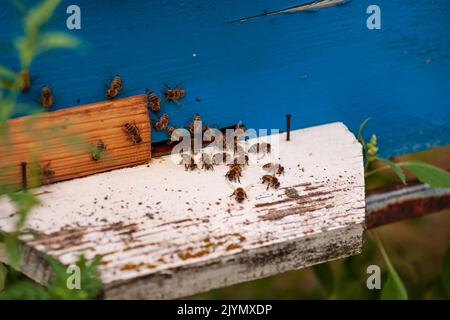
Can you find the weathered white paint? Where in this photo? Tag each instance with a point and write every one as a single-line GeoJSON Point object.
{"type": "Point", "coordinates": [167, 233]}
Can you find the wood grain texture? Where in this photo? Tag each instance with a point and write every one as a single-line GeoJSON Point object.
{"type": "Point", "coordinates": [167, 233]}
{"type": "Point", "coordinates": [64, 140]}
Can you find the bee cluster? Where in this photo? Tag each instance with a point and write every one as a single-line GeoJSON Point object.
{"type": "Point", "coordinates": [237, 161]}
{"type": "Point", "coordinates": [234, 155]}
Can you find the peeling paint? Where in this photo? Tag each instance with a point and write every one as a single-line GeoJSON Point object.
{"type": "Point", "coordinates": [310, 6]}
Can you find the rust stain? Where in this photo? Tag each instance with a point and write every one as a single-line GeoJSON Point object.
{"type": "Point", "coordinates": [133, 266]}
{"type": "Point", "coordinates": [68, 237]}
{"type": "Point", "coordinates": [297, 199]}
{"type": "Point", "coordinates": [64, 238]}
{"type": "Point", "coordinates": [280, 214]}
{"type": "Point", "coordinates": [189, 255]}
{"type": "Point", "coordinates": [407, 209]}
{"type": "Point", "coordinates": [211, 243]}
{"type": "Point", "coordinates": [233, 246]}
{"type": "Point", "coordinates": [313, 5]}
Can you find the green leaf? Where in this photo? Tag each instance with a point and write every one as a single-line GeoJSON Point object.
{"type": "Point", "coordinates": [13, 250]}
{"type": "Point", "coordinates": [393, 289]}
{"type": "Point", "coordinates": [57, 40]}
{"type": "Point", "coordinates": [398, 171]}
{"type": "Point", "coordinates": [39, 15]}
{"type": "Point", "coordinates": [445, 274]}
{"type": "Point", "coordinates": [26, 48]}
{"type": "Point", "coordinates": [362, 126]}
{"type": "Point", "coordinates": [3, 274]}
{"type": "Point", "coordinates": [361, 138]}
{"type": "Point", "coordinates": [7, 73]}
{"type": "Point", "coordinates": [24, 290]}
{"type": "Point", "coordinates": [325, 276]}
{"type": "Point", "coordinates": [426, 173]}
{"type": "Point", "coordinates": [90, 281]}
{"type": "Point", "coordinates": [25, 201]}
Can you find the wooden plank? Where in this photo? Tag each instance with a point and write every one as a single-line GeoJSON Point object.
{"type": "Point", "coordinates": [165, 232]}
{"type": "Point", "coordinates": [406, 202]}
{"type": "Point", "coordinates": [63, 140]}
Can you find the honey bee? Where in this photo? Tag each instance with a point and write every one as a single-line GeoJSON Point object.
{"type": "Point", "coordinates": [162, 123]}
{"type": "Point", "coordinates": [185, 158]}
{"type": "Point", "coordinates": [46, 99]}
{"type": "Point", "coordinates": [221, 157]}
{"type": "Point", "coordinates": [174, 94]}
{"type": "Point", "coordinates": [155, 102]}
{"type": "Point", "coordinates": [114, 88]}
{"type": "Point", "coordinates": [240, 128]}
{"type": "Point", "coordinates": [47, 173]}
{"type": "Point", "coordinates": [207, 162]}
{"type": "Point", "coordinates": [271, 181]}
{"type": "Point", "coordinates": [25, 80]}
{"type": "Point", "coordinates": [196, 122]}
{"type": "Point", "coordinates": [169, 131]}
{"type": "Point", "coordinates": [97, 150]}
{"type": "Point", "coordinates": [260, 147]}
{"type": "Point", "coordinates": [234, 173]}
{"type": "Point", "coordinates": [241, 160]}
{"type": "Point", "coordinates": [240, 194]}
{"type": "Point", "coordinates": [133, 132]}
{"type": "Point", "coordinates": [274, 168]}
{"type": "Point", "coordinates": [189, 162]}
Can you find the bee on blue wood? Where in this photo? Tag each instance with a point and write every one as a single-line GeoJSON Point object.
{"type": "Point", "coordinates": [46, 99]}
{"type": "Point", "coordinates": [162, 123]}
{"type": "Point", "coordinates": [114, 88]}
{"type": "Point", "coordinates": [174, 94]}
{"type": "Point", "coordinates": [196, 122]}
{"type": "Point", "coordinates": [155, 102]}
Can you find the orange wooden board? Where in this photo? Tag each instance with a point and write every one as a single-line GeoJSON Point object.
{"type": "Point", "coordinates": [63, 141]}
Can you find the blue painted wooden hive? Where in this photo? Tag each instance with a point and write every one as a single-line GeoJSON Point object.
{"type": "Point", "coordinates": [319, 65]}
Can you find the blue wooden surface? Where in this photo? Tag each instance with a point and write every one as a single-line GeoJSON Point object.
{"type": "Point", "coordinates": [320, 66]}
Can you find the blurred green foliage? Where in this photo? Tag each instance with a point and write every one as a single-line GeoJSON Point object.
{"type": "Point", "coordinates": [33, 42]}
{"type": "Point", "coordinates": [22, 288]}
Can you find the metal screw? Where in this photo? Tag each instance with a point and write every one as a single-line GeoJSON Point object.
{"type": "Point", "coordinates": [288, 127]}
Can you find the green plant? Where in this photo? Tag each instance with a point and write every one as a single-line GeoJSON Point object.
{"type": "Point", "coordinates": [425, 173]}
{"type": "Point", "coordinates": [58, 288]}
{"type": "Point", "coordinates": [33, 42]}
{"type": "Point", "coordinates": [346, 283]}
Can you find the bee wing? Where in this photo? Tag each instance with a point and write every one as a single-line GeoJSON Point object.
{"type": "Point", "coordinates": [253, 148]}
{"type": "Point", "coordinates": [248, 187]}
